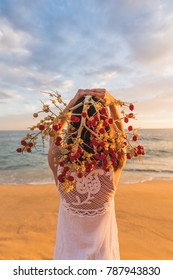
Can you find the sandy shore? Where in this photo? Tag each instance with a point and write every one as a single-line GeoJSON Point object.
{"type": "Point", "coordinates": [28, 221]}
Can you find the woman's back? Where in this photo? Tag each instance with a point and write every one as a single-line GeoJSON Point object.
{"type": "Point", "coordinates": [91, 195]}
{"type": "Point", "coordinates": [87, 227]}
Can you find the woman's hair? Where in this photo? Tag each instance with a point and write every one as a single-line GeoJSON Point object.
{"type": "Point", "coordinates": [86, 134]}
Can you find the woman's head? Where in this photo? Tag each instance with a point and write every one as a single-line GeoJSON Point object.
{"type": "Point", "coordinates": [86, 117]}
{"type": "Point", "coordinates": [88, 143]}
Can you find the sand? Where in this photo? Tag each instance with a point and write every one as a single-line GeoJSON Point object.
{"type": "Point", "coordinates": [29, 213]}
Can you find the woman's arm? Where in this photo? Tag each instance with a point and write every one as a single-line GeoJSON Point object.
{"type": "Point", "coordinates": [52, 157]}
{"type": "Point", "coordinates": [55, 151]}
{"type": "Point", "coordinates": [116, 116]}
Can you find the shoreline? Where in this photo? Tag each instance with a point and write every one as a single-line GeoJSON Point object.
{"type": "Point", "coordinates": [121, 183]}
{"type": "Point", "coordinates": [144, 216]}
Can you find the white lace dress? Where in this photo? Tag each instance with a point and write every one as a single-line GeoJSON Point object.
{"type": "Point", "coordinates": [87, 227]}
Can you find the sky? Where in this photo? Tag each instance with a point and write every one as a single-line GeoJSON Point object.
{"type": "Point", "coordinates": [124, 46]}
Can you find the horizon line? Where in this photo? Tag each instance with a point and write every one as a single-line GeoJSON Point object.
{"type": "Point", "coordinates": [125, 129]}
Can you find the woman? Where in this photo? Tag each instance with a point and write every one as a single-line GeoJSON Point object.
{"type": "Point", "coordinates": [87, 227]}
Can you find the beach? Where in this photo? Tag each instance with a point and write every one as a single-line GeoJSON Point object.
{"type": "Point", "coordinates": [144, 213]}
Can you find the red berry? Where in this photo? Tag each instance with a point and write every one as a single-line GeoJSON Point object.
{"type": "Point", "coordinates": [23, 142]}
{"type": "Point", "coordinates": [110, 121]}
{"type": "Point", "coordinates": [30, 144]}
{"type": "Point", "coordinates": [94, 142]}
{"type": "Point", "coordinates": [102, 144]}
{"type": "Point", "coordinates": [58, 143]}
{"type": "Point", "coordinates": [19, 150]}
{"type": "Point", "coordinates": [35, 115]}
{"type": "Point", "coordinates": [105, 162]}
{"type": "Point", "coordinates": [77, 155]}
{"type": "Point", "coordinates": [97, 156]}
{"type": "Point", "coordinates": [102, 156]}
{"type": "Point", "coordinates": [61, 178]}
{"type": "Point", "coordinates": [75, 119]}
{"type": "Point", "coordinates": [72, 118]}
{"type": "Point", "coordinates": [84, 114]}
{"type": "Point", "coordinates": [72, 158]}
{"type": "Point", "coordinates": [69, 147]}
{"type": "Point", "coordinates": [96, 118]}
{"type": "Point", "coordinates": [80, 150]}
{"type": "Point", "coordinates": [94, 123]}
{"type": "Point", "coordinates": [89, 123]}
{"type": "Point", "coordinates": [114, 156]}
{"type": "Point", "coordinates": [41, 127]}
{"type": "Point", "coordinates": [131, 115]}
{"type": "Point", "coordinates": [56, 127]}
{"type": "Point", "coordinates": [114, 162]}
{"type": "Point", "coordinates": [142, 150]}
{"type": "Point", "coordinates": [66, 168]}
{"type": "Point", "coordinates": [58, 138]}
{"type": "Point", "coordinates": [128, 156]}
{"type": "Point", "coordinates": [61, 163]}
{"type": "Point", "coordinates": [131, 107]}
{"type": "Point", "coordinates": [105, 123]}
{"type": "Point", "coordinates": [99, 149]}
{"type": "Point", "coordinates": [126, 120]}
{"type": "Point", "coordinates": [94, 162]}
{"type": "Point", "coordinates": [119, 155]}
{"type": "Point", "coordinates": [102, 130]}
{"type": "Point", "coordinates": [28, 150]}
{"type": "Point", "coordinates": [103, 111]}
{"type": "Point", "coordinates": [134, 138]}
{"type": "Point", "coordinates": [88, 169]}
{"type": "Point", "coordinates": [80, 175]}
{"type": "Point", "coordinates": [130, 127]}
{"type": "Point", "coordinates": [106, 152]}
{"type": "Point", "coordinates": [70, 178]}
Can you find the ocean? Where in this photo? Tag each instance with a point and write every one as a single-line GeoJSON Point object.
{"type": "Point", "coordinates": [16, 168]}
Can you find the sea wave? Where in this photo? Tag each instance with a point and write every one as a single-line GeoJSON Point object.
{"type": "Point", "coordinates": [33, 168]}
{"type": "Point", "coordinates": [148, 170]}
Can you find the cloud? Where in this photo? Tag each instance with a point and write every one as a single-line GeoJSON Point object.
{"type": "Point", "coordinates": [125, 46]}
{"type": "Point", "coordinates": [8, 95]}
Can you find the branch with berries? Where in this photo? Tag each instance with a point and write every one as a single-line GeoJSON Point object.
{"type": "Point", "coordinates": [106, 151]}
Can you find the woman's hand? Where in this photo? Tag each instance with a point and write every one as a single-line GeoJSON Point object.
{"type": "Point", "coordinates": [103, 94]}
{"type": "Point", "coordinates": [80, 93]}
{"type": "Point", "coordinates": [100, 93]}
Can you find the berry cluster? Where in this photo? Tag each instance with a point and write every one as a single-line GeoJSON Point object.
{"type": "Point", "coordinates": [106, 150]}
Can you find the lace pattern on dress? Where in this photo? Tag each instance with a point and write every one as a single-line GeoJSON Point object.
{"type": "Point", "coordinates": [92, 194]}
